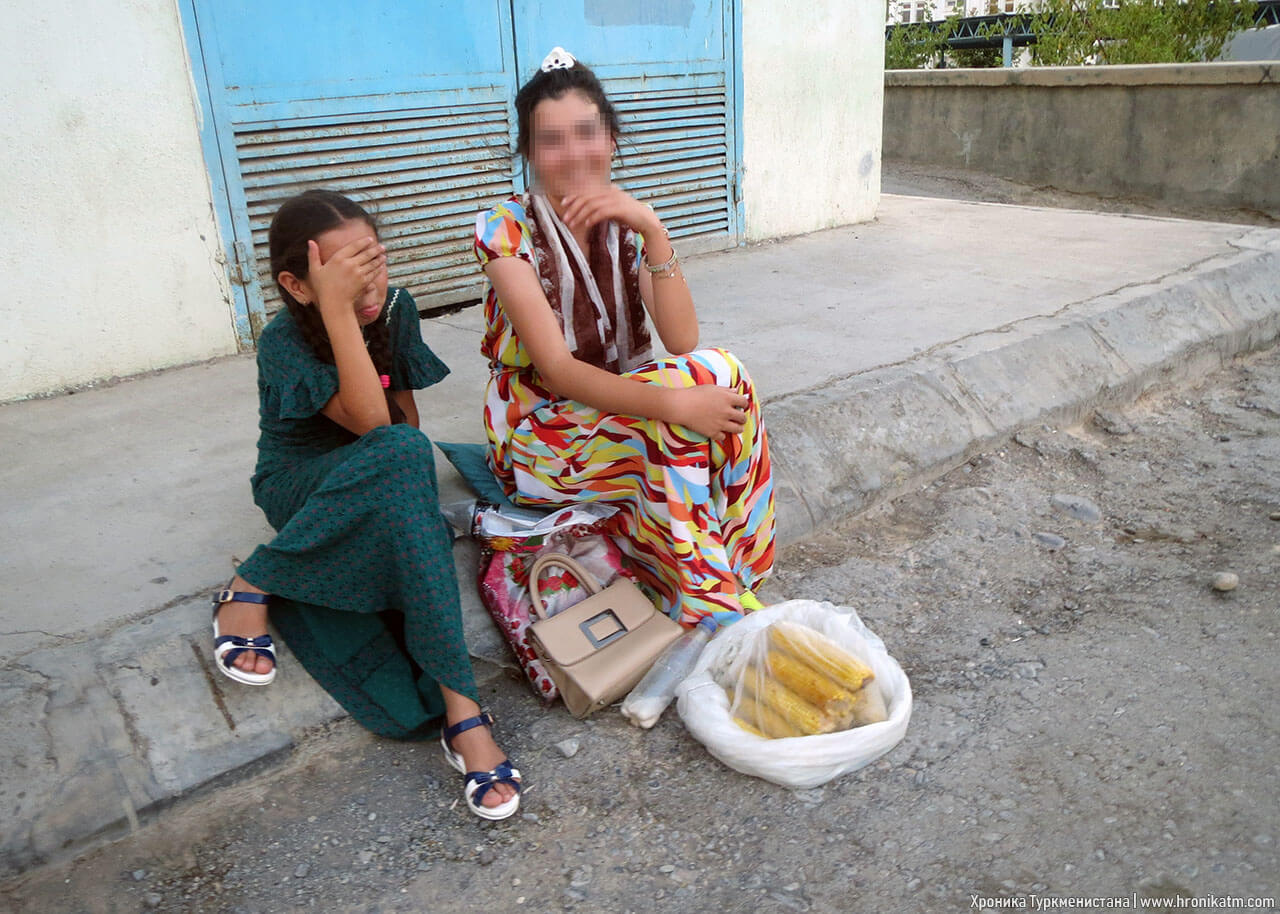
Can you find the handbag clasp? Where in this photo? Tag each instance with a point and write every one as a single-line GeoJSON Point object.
{"type": "Point", "coordinates": [598, 642]}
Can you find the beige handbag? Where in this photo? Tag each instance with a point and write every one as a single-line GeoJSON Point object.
{"type": "Point", "coordinates": [598, 649]}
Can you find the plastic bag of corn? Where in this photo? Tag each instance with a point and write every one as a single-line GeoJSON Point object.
{"type": "Point", "coordinates": [799, 693]}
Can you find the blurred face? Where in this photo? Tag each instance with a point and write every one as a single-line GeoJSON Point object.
{"type": "Point", "coordinates": [368, 305]}
{"type": "Point", "coordinates": [570, 147]}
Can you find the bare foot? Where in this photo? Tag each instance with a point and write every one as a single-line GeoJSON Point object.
{"type": "Point", "coordinates": [248, 620]}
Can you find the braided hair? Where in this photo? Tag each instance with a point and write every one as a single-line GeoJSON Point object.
{"type": "Point", "coordinates": [299, 220]}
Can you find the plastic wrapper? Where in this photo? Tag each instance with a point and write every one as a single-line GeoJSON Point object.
{"type": "Point", "coordinates": [795, 681]}
{"type": "Point", "coordinates": [798, 694]}
{"type": "Point", "coordinates": [469, 516]}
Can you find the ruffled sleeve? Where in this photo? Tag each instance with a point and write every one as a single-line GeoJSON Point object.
{"type": "Point", "coordinates": [503, 232]}
{"type": "Point", "coordinates": [413, 365]}
{"type": "Point", "coordinates": [292, 382]}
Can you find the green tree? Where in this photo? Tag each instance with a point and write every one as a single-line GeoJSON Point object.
{"type": "Point", "coordinates": [975, 57]}
{"type": "Point", "coordinates": [1074, 32]}
{"type": "Point", "coordinates": [910, 47]}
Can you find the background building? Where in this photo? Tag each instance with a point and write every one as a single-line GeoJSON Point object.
{"type": "Point", "coordinates": [900, 11]}
{"type": "Point", "coordinates": [146, 143]}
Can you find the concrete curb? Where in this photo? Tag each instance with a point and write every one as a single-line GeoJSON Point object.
{"type": "Point", "coordinates": [104, 729]}
{"type": "Point", "coordinates": [874, 435]}
{"type": "Point", "coordinates": [108, 730]}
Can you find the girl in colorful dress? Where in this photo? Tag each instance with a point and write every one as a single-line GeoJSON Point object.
{"type": "Point", "coordinates": [577, 408]}
{"type": "Point", "coordinates": [361, 574]}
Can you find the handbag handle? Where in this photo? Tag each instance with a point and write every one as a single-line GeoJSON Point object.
{"type": "Point", "coordinates": [547, 560]}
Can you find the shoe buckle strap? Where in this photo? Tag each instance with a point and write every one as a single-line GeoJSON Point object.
{"type": "Point", "coordinates": [483, 719]}
{"type": "Point", "coordinates": [239, 596]}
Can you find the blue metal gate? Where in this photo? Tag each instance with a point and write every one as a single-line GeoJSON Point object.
{"type": "Point", "coordinates": [409, 106]}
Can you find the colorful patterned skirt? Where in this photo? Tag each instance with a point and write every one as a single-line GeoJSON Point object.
{"type": "Point", "coordinates": [695, 515]}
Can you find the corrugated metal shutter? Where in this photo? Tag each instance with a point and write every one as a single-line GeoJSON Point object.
{"type": "Point", "coordinates": [424, 172]}
{"type": "Point", "coordinates": [675, 155]}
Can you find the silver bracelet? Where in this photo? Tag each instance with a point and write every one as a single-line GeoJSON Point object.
{"type": "Point", "coordinates": [666, 267]}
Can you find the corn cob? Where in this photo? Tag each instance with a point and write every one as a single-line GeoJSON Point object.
{"type": "Point", "coordinates": [826, 695]}
{"type": "Point", "coordinates": [758, 717]}
{"type": "Point", "coordinates": [868, 707]}
{"type": "Point", "coordinates": [818, 651]}
{"type": "Point", "coordinates": [749, 728]}
{"type": "Point", "coordinates": [793, 709]}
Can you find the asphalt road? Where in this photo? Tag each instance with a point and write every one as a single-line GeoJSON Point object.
{"type": "Point", "coordinates": [1092, 721]}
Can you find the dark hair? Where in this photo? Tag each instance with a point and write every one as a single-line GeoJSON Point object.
{"type": "Point", "coordinates": [304, 218]}
{"type": "Point", "coordinates": [554, 84]}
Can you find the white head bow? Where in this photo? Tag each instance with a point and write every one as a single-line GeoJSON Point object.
{"type": "Point", "coordinates": [558, 59]}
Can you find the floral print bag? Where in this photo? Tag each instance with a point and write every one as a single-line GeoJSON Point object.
{"type": "Point", "coordinates": [507, 552]}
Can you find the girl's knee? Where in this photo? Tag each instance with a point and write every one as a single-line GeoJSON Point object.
{"type": "Point", "coordinates": [402, 435]}
{"type": "Point", "coordinates": [727, 367]}
{"type": "Point", "coordinates": [398, 443]}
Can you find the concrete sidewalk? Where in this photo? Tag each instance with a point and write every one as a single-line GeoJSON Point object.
{"type": "Point", "coordinates": [886, 353]}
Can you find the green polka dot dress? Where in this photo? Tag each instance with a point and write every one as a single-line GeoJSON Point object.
{"type": "Point", "coordinates": [361, 569]}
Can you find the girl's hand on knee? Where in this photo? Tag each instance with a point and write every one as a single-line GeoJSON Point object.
{"type": "Point", "coordinates": [343, 278]}
{"type": "Point", "coordinates": [708, 410]}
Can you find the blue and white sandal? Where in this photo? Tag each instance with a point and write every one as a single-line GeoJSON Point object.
{"type": "Point", "coordinates": [227, 648]}
{"type": "Point", "coordinates": [478, 783]}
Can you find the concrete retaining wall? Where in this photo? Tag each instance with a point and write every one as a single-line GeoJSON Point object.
{"type": "Point", "coordinates": [1197, 134]}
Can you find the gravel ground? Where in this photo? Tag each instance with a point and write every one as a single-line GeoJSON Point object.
{"type": "Point", "coordinates": [1092, 720]}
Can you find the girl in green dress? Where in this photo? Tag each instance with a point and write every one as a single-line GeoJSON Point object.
{"type": "Point", "coordinates": [360, 575]}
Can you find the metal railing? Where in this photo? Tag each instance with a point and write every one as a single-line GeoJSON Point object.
{"type": "Point", "coordinates": [1014, 30]}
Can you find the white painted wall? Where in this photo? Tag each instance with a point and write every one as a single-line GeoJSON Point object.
{"type": "Point", "coordinates": [110, 261]}
{"type": "Point", "coordinates": [813, 90]}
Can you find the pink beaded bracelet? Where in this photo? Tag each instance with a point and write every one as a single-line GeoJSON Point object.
{"type": "Point", "coordinates": [386, 380]}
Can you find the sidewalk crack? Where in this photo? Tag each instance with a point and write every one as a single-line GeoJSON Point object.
{"type": "Point", "coordinates": [38, 631]}
{"type": "Point", "coordinates": [477, 331]}
{"type": "Point", "coordinates": [218, 700]}
{"type": "Point", "coordinates": [98, 631]}
{"type": "Point", "coordinates": [45, 679]}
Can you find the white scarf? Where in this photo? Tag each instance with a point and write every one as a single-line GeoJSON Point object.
{"type": "Point", "coordinates": [616, 338]}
